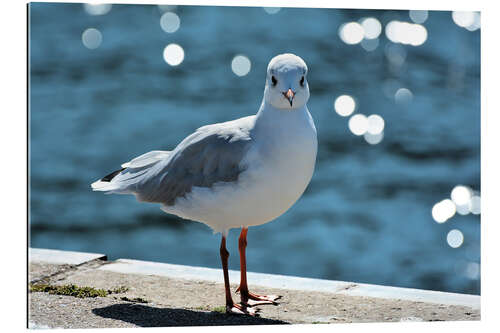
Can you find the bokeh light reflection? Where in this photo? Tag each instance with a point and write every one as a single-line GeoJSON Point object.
{"type": "Point", "coordinates": [475, 205]}
{"type": "Point", "coordinates": [375, 124]}
{"type": "Point", "coordinates": [272, 10]}
{"type": "Point", "coordinates": [358, 124]}
{"type": "Point", "coordinates": [455, 238]}
{"type": "Point", "coordinates": [97, 8]}
{"type": "Point", "coordinates": [369, 44]}
{"type": "Point", "coordinates": [373, 139]}
{"type": "Point", "coordinates": [461, 195]}
{"type": "Point", "coordinates": [372, 27]}
{"type": "Point", "coordinates": [351, 33]}
{"type": "Point", "coordinates": [472, 270]}
{"type": "Point", "coordinates": [476, 24]}
{"type": "Point", "coordinates": [345, 105]}
{"type": "Point", "coordinates": [173, 54]}
{"type": "Point", "coordinates": [463, 209]}
{"type": "Point", "coordinates": [170, 22]}
{"type": "Point", "coordinates": [403, 96]}
{"type": "Point", "coordinates": [91, 38]}
{"type": "Point", "coordinates": [443, 211]}
{"type": "Point", "coordinates": [241, 65]}
{"type": "Point", "coordinates": [468, 20]}
{"type": "Point", "coordinates": [418, 16]}
{"type": "Point", "coordinates": [464, 200]}
{"type": "Point", "coordinates": [406, 33]}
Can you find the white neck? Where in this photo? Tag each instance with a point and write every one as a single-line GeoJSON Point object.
{"type": "Point", "coordinates": [275, 117]}
{"type": "Point", "coordinates": [284, 126]}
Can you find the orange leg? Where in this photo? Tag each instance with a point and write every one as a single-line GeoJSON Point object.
{"type": "Point", "coordinates": [248, 298]}
{"type": "Point", "coordinates": [231, 307]}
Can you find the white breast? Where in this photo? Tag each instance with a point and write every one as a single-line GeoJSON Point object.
{"type": "Point", "coordinates": [279, 165]}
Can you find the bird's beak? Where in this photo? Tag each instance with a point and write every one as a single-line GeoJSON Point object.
{"type": "Point", "coordinates": [289, 95]}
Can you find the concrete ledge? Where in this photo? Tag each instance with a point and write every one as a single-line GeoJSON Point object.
{"type": "Point", "coordinates": [153, 294]}
{"type": "Point", "coordinates": [59, 257]}
{"type": "Point", "coordinates": [128, 266]}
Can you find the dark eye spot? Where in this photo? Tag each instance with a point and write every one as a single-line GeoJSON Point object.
{"type": "Point", "coordinates": [302, 81]}
{"type": "Point", "coordinates": [273, 79]}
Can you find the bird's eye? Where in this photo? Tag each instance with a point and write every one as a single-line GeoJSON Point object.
{"type": "Point", "coordinates": [302, 81]}
{"type": "Point", "coordinates": [273, 79]}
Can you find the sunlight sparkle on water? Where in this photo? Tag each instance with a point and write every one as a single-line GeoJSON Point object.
{"type": "Point", "coordinates": [472, 270]}
{"type": "Point", "coordinates": [351, 33]}
{"type": "Point", "coordinates": [468, 20]}
{"type": "Point", "coordinates": [455, 238]}
{"type": "Point", "coordinates": [375, 124]}
{"type": "Point", "coordinates": [170, 22]}
{"type": "Point", "coordinates": [345, 105]}
{"type": "Point", "coordinates": [403, 96]}
{"type": "Point", "coordinates": [97, 8]}
{"type": "Point", "coordinates": [173, 54]}
{"type": "Point", "coordinates": [461, 195]}
{"type": "Point", "coordinates": [358, 124]}
{"type": "Point", "coordinates": [475, 205]}
{"type": "Point", "coordinates": [241, 65]}
{"type": "Point", "coordinates": [369, 44]}
{"type": "Point", "coordinates": [91, 38]}
{"type": "Point", "coordinates": [406, 33]}
{"type": "Point", "coordinates": [373, 139]}
{"type": "Point", "coordinates": [418, 16]}
{"type": "Point", "coordinates": [372, 27]}
{"type": "Point", "coordinates": [443, 210]}
{"type": "Point", "coordinates": [272, 10]}
{"type": "Point", "coordinates": [477, 22]}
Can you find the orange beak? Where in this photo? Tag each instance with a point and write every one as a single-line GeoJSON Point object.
{"type": "Point", "coordinates": [289, 95]}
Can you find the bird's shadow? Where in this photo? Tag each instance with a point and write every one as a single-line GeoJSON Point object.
{"type": "Point", "coordinates": [147, 316]}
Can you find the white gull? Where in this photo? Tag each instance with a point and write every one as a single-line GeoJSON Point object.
{"type": "Point", "coordinates": [240, 173]}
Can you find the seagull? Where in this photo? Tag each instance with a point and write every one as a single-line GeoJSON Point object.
{"type": "Point", "coordinates": [235, 174]}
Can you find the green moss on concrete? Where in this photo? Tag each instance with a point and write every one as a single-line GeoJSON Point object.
{"type": "Point", "coordinates": [69, 290]}
{"type": "Point", "coordinates": [75, 291]}
{"type": "Point", "coordinates": [221, 309]}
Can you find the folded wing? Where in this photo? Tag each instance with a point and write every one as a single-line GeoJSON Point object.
{"type": "Point", "coordinates": [211, 154]}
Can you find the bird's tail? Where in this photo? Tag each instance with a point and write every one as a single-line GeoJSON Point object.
{"type": "Point", "coordinates": [106, 183]}
{"type": "Point", "coordinates": [123, 181]}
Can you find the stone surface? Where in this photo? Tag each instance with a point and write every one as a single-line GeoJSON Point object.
{"type": "Point", "coordinates": [174, 301]}
{"type": "Point", "coordinates": [128, 266]}
{"type": "Point", "coordinates": [62, 257]}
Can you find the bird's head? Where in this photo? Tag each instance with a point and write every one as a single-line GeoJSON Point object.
{"type": "Point", "coordinates": [286, 82]}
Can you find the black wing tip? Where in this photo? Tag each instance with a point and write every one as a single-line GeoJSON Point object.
{"type": "Point", "coordinates": [112, 175]}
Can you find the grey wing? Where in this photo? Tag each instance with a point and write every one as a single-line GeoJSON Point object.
{"type": "Point", "coordinates": [212, 154]}
{"type": "Point", "coordinates": [121, 181]}
{"type": "Point", "coordinates": [146, 159]}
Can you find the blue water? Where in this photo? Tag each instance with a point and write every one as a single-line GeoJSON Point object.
{"type": "Point", "coordinates": [365, 217]}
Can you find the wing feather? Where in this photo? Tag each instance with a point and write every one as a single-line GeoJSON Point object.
{"type": "Point", "coordinates": [146, 159]}
{"type": "Point", "coordinates": [212, 154]}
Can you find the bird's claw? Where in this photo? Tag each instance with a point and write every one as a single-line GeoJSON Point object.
{"type": "Point", "coordinates": [265, 299]}
{"type": "Point", "coordinates": [254, 299]}
{"type": "Point", "coordinates": [242, 309]}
